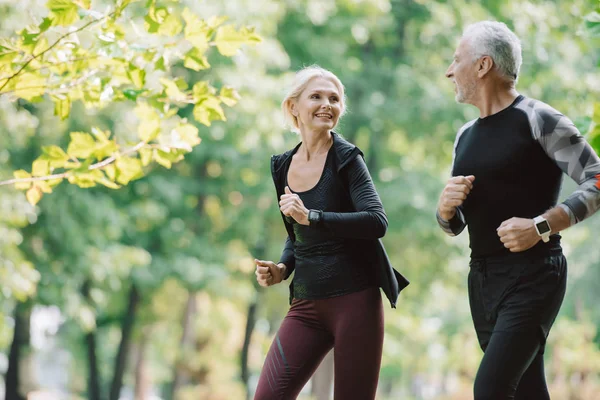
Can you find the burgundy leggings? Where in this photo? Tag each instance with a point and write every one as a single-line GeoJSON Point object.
{"type": "Point", "coordinates": [352, 324]}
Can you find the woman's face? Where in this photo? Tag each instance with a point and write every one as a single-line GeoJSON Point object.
{"type": "Point", "coordinates": [319, 106]}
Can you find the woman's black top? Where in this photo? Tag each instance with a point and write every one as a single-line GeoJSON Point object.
{"type": "Point", "coordinates": [330, 259]}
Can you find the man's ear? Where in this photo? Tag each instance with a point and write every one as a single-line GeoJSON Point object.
{"type": "Point", "coordinates": [484, 65]}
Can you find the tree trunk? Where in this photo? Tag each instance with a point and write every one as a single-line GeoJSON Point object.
{"type": "Point", "coordinates": [180, 377]}
{"type": "Point", "coordinates": [322, 380]}
{"type": "Point", "coordinates": [126, 330]}
{"type": "Point", "coordinates": [93, 374]}
{"type": "Point", "coordinates": [90, 344]}
{"type": "Point", "coordinates": [258, 252]}
{"type": "Point", "coordinates": [142, 382]}
{"type": "Point", "coordinates": [250, 322]}
{"type": "Point", "coordinates": [18, 350]}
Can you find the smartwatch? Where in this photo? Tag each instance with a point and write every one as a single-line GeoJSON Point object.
{"type": "Point", "coordinates": [314, 217]}
{"type": "Point", "coordinates": [542, 227]}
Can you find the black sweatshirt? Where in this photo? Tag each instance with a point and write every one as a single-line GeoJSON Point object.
{"type": "Point", "coordinates": [518, 156]}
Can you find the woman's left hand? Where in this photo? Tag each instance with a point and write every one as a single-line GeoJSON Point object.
{"type": "Point", "coordinates": [291, 206]}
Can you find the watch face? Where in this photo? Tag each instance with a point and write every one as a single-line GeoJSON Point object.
{"type": "Point", "coordinates": [543, 227]}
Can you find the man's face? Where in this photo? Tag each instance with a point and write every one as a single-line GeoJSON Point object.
{"type": "Point", "coordinates": [463, 73]}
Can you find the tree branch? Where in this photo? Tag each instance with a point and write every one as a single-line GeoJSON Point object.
{"type": "Point", "coordinates": [100, 165]}
{"type": "Point", "coordinates": [55, 64]}
{"type": "Point", "coordinates": [52, 46]}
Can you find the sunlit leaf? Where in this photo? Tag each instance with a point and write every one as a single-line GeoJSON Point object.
{"type": "Point", "coordinates": [149, 126]}
{"type": "Point", "coordinates": [55, 156]}
{"type": "Point", "coordinates": [194, 59]}
{"type": "Point", "coordinates": [229, 96]}
{"type": "Point", "coordinates": [40, 167]}
{"type": "Point", "coordinates": [196, 31]}
{"type": "Point", "coordinates": [34, 195]}
{"type": "Point", "coordinates": [172, 90]}
{"type": "Point", "coordinates": [29, 86]}
{"type": "Point", "coordinates": [128, 169]}
{"type": "Point", "coordinates": [228, 40]}
{"type": "Point", "coordinates": [171, 26]}
{"type": "Point", "coordinates": [82, 145]}
{"type": "Point", "coordinates": [145, 156]}
{"type": "Point", "coordinates": [62, 107]}
{"type": "Point", "coordinates": [137, 76]}
{"type": "Point", "coordinates": [209, 110]}
{"type": "Point", "coordinates": [22, 174]}
{"type": "Point", "coordinates": [62, 12]}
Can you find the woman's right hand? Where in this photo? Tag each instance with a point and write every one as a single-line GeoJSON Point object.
{"type": "Point", "coordinates": [268, 273]}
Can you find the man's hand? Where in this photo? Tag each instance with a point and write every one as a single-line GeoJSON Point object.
{"type": "Point", "coordinates": [291, 206]}
{"type": "Point", "coordinates": [454, 194]}
{"type": "Point", "coordinates": [268, 273]}
{"type": "Point", "coordinates": [518, 234]}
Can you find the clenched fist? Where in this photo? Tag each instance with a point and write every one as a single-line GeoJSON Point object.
{"type": "Point", "coordinates": [292, 206]}
{"type": "Point", "coordinates": [454, 194]}
{"type": "Point", "coordinates": [268, 273]}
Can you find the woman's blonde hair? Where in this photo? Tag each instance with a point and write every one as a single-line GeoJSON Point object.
{"type": "Point", "coordinates": [301, 81]}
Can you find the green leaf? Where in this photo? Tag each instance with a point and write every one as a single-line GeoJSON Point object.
{"type": "Point", "coordinates": [106, 149]}
{"type": "Point", "coordinates": [202, 90]}
{"type": "Point", "coordinates": [34, 195]}
{"type": "Point", "coordinates": [229, 41]}
{"type": "Point", "coordinates": [40, 167]}
{"type": "Point", "coordinates": [167, 158]}
{"type": "Point", "coordinates": [111, 171]}
{"type": "Point", "coordinates": [132, 94]}
{"type": "Point", "coordinates": [137, 76]}
{"type": "Point", "coordinates": [100, 135]}
{"type": "Point", "coordinates": [83, 3]}
{"type": "Point", "coordinates": [62, 12]}
{"type": "Point", "coordinates": [194, 59]}
{"type": "Point", "coordinates": [22, 174]}
{"type": "Point", "coordinates": [171, 26]}
{"type": "Point", "coordinates": [202, 115]}
{"type": "Point", "coordinates": [101, 179]}
{"type": "Point", "coordinates": [160, 64]}
{"type": "Point", "coordinates": [83, 180]}
{"type": "Point", "coordinates": [62, 107]}
{"type": "Point", "coordinates": [44, 186]}
{"type": "Point", "coordinates": [160, 157]}
{"type": "Point", "coordinates": [185, 136]}
{"type": "Point", "coordinates": [54, 153]}
{"type": "Point", "coordinates": [145, 155]}
{"type": "Point", "coordinates": [196, 31]}
{"type": "Point", "coordinates": [82, 145]}
{"type": "Point", "coordinates": [209, 110]}
{"type": "Point", "coordinates": [229, 96]}
{"type": "Point", "coordinates": [215, 21]}
{"type": "Point", "coordinates": [29, 86]}
{"type": "Point", "coordinates": [172, 90]}
{"type": "Point", "coordinates": [149, 126]}
{"type": "Point", "coordinates": [128, 169]}
{"type": "Point", "coordinates": [46, 23]}
{"type": "Point", "coordinates": [151, 25]}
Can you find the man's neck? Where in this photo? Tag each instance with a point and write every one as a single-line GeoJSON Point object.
{"type": "Point", "coordinates": [494, 98]}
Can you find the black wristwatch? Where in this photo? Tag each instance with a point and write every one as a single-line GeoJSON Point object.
{"type": "Point", "coordinates": [314, 217]}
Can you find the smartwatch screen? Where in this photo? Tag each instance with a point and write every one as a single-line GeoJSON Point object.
{"type": "Point", "coordinates": [543, 227]}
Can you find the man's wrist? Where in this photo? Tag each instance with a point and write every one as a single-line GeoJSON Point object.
{"type": "Point", "coordinates": [447, 215]}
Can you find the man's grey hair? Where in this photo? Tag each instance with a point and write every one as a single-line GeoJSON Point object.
{"type": "Point", "coordinates": [494, 39]}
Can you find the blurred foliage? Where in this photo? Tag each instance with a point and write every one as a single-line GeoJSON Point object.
{"type": "Point", "coordinates": [185, 237]}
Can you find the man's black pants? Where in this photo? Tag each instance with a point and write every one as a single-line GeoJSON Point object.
{"type": "Point", "coordinates": [514, 301]}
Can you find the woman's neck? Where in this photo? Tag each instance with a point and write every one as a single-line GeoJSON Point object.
{"type": "Point", "coordinates": [314, 143]}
